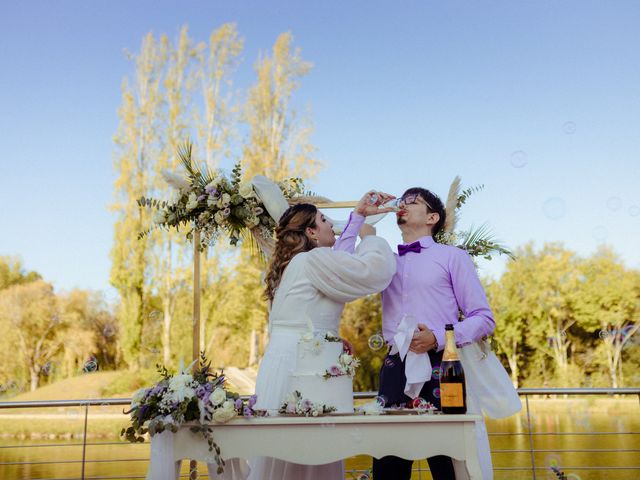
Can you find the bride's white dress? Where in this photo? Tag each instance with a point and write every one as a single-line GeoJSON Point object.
{"type": "Point", "coordinates": [314, 287]}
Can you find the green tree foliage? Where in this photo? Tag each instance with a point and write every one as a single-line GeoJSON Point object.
{"type": "Point", "coordinates": [29, 314]}
{"type": "Point", "coordinates": [361, 319]}
{"type": "Point", "coordinates": [13, 273]}
{"type": "Point", "coordinates": [137, 149]}
{"type": "Point", "coordinates": [563, 320]}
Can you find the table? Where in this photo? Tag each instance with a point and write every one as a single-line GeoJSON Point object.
{"type": "Point", "coordinates": [319, 440]}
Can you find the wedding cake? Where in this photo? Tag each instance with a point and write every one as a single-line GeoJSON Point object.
{"type": "Point", "coordinates": [324, 372]}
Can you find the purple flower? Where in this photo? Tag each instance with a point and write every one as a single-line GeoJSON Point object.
{"type": "Point", "coordinates": [252, 400]}
{"type": "Point", "coordinates": [306, 404]}
{"type": "Point", "coordinates": [334, 370]}
{"type": "Point", "coordinates": [291, 408]}
{"type": "Point", "coordinates": [211, 190]}
{"type": "Point", "coordinates": [201, 392]}
{"type": "Point", "coordinates": [247, 412]}
{"type": "Point", "coordinates": [201, 198]}
{"type": "Point", "coordinates": [157, 390]}
{"type": "Point", "coordinates": [226, 212]}
{"type": "Point", "coordinates": [238, 404]}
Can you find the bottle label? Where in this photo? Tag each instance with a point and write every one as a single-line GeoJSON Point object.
{"type": "Point", "coordinates": [451, 395]}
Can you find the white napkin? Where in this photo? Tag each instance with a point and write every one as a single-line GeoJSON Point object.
{"type": "Point", "coordinates": [417, 366]}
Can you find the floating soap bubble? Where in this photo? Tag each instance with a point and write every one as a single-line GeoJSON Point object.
{"type": "Point", "coordinates": [155, 315]}
{"type": "Point", "coordinates": [603, 334]}
{"type": "Point", "coordinates": [554, 208]}
{"type": "Point", "coordinates": [381, 400]}
{"type": "Point", "coordinates": [614, 204]}
{"type": "Point", "coordinates": [373, 198]}
{"type": "Point", "coordinates": [599, 233]}
{"type": "Point", "coordinates": [376, 341]}
{"type": "Point", "coordinates": [421, 405]}
{"type": "Point", "coordinates": [436, 392]}
{"type": "Point", "coordinates": [363, 476]}
{"type": "Point", "coordinates": [569, 128]}
{"type": "Point", "coordinates": [91, 365]}
{"type": "Point", "coordinates": [436, 373]}
{"type": "Point", "coordinates": [518, 159]}
{"type": "Point", "coordinates": [634, 210]}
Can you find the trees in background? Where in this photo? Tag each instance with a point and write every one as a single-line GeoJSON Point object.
{"type": "Point", "coordinates": [563, 320]}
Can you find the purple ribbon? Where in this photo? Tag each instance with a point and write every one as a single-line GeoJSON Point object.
{"type": "Point", "coordinates": [412, 247]}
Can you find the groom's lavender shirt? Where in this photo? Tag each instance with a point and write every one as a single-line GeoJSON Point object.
{"type": "Point", "coordinates": [432, 285]}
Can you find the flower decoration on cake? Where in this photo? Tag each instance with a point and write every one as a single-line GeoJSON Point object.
{"type": "Point", "coordinates": [295, 404]}
{"type": "Point", "coordinates": [346, 365]}
{"type": "Point", "coordinates": [200, 398]}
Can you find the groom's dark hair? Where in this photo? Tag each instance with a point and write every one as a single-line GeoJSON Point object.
{"type": "Point", "coordinates": [435, 205]}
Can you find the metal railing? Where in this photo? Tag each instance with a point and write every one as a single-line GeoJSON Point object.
{"type": "Point", "coordinates": [535, 469]}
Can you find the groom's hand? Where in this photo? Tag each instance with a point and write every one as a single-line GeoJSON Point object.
{"type": "Point", "coordinates": [423, 340]}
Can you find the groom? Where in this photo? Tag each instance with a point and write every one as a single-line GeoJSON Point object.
{"type": "Point", "coordinates": [433, 283]}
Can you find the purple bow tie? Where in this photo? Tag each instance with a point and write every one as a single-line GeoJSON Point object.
{"type": "Point", "coordinates": [412, 247]}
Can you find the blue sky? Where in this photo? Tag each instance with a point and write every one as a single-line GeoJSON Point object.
{"type": "Point", "coordinates": [539, 101]}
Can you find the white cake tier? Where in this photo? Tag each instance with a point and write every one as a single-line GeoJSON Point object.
{"type": "Point", "coordinates": [333, 392]}
{"type": "Point", "coordinates": [311, 360]}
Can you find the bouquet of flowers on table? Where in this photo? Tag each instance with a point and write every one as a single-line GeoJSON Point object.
{"type": "Point", "coordinates": [295, 404]}
{"type": "Point", "coordinates": [199, 398]}
{"type": "Point", "coordinates": [214, 203]}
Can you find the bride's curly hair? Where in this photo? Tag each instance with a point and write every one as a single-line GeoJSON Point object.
{"type": "Point", "coordinates": [291, 239]}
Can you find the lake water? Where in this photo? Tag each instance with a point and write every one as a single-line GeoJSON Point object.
{"type": "Point", "coordinates": [586, 421]}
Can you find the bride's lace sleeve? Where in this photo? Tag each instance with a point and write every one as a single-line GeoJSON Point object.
{"type": "Point", "coordinates": [343, 276]}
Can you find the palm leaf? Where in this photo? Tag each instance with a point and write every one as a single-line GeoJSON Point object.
{"type": "Point", "coordinates": [480, 241]}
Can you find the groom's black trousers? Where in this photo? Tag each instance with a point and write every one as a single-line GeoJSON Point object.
{"type": "Point", "coordinates": [392, 382]}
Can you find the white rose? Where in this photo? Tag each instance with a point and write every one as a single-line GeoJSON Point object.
{"type": "Point", "coordinates": [193, 201]}
{"type": "Point", "coordinates": [213, 184]}
{"type": "Point", "coordinates": [346, 359]}
{"type": "Point", "coordinates": [246, 190]}
{"type": "Point", "coordinates": [219, 218]}
{"type": "Point", "coordinates": [226, 198]}
{"type": "Point", "coordinates": [222, 415]}
{"type": "Point", "coordinates": [218, 396]}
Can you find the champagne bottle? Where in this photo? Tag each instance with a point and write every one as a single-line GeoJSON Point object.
{"type": "Point", "coordinates": [453, 392]}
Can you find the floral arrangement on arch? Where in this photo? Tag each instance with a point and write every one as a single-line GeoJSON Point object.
{"type": "Point", "coordinates": [295, 404]}
{"type": "Point", "coordinates": [200, 398]}
{"type": "Point", "coordinates": [213, 203]}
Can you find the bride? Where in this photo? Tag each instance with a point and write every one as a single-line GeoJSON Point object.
{"type": "Point", "coordinates": [307, 280]}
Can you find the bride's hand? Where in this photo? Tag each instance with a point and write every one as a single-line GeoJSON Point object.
{"type": "Point", "coordinates": [371, 201]}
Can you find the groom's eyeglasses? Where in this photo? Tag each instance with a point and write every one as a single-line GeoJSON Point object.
{"type": "Point", "coordinates": [412, 199]}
